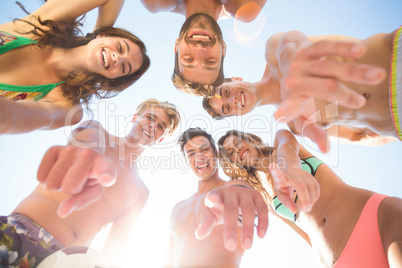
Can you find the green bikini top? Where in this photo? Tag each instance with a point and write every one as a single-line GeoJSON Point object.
{"type": "Point", "coordinates": [9, 42]}
{"type": "Point", "coordinates": [310, 165]}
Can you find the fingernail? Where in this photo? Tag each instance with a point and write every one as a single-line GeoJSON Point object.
{"type": "Point", "coordinates": [231, 244]}
{"type": "Point", "coordinates": [374, 74]}
{"type": "Point", "coordinates": [247, 243]}
{"type": "Point", "coordinates": [261, 233]}
{"type": "Point", "coordinates": [357, 49]}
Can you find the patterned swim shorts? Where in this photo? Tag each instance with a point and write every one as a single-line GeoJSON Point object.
{"type": "Point", "coordinates": [23, 242]}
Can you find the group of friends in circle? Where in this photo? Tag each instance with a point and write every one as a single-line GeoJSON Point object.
{"type": "Point", "coordinates": [322, 86]}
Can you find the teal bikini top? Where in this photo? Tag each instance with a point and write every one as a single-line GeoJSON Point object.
{"type": "Point", "coordinates": [310, 165]}
{"type": "Point", "coordinates": [9, 42]}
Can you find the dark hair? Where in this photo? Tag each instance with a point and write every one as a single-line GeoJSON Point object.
{"type": "Point", "coordinates": [249, 174]}
{"type": "Point", "coordinates": [81, 86]}
{"type": "Point", "coordinates": [192, 133]}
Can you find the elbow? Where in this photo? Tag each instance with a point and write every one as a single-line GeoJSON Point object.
{"type": "Point", "coordinates": [74, 116]}
{"type": "Point", "coordinates": [151, 6]}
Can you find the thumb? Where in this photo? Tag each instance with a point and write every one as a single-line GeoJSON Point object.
{"type": "Point", "coordinates": [317, 135]}
{"type": "Point", "coordinates": [105, 171]}
{"type": "Point", "coordinates": [206, 225]}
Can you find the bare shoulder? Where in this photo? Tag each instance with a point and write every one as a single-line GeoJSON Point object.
{"type": "Point", "coordinates": [390, 220]}
{"type": "Point", "coordinates": [156, 6]}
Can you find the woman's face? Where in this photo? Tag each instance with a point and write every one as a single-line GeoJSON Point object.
{"type": "Point", "coordinates": [234, 98]}
{"type": "Point", "coordinates": [241, 151]}
{"type": "Point", "coordinates": [113, 57]}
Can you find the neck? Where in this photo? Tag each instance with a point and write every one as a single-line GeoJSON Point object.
{"type": "Point", "coordinates": [209, 7]}
{"type": "Point", "coordinates": [207, 185]}
{"type": "Point", "coordinates": [65, 60]}
{"type": "Point", "coordinates": [268, 88]}
{"type": "Point", "coordinates": [130, 149]}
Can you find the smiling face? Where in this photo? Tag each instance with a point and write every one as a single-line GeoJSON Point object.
{"type": "Point", "coordinates": [241, 151]}
{"type": "Point", "coordinates": [150, 126]}
{"type": "Point", "coordinates": [234, 98]}
{"type": "Point", "coordinates": [113, 57]}
{"type": "Point", "coordinates": [200, 49]}
{"type": "Point", "coordinates": [201, 157]}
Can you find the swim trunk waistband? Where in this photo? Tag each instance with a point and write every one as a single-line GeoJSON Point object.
{"type": "Point", "coordinates": [35, 231]}
{"type": "Point", "coordinates": [23, 242]}
{"type": "Point", "coordinates": [395, 82]}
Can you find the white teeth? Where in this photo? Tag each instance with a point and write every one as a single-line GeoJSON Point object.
{"type": "Point", "coordinates": [202, 166]}
{"type": "Point", "coordinates": [146, 133]}
{"type": "Point", "coordinates": [105, 59]}
{"type": "Point", "coordinates": [242, 100]}
{"type": "Point", "coordinates": [244, 155]}
{"type": "Point", "coordinates": [200, 36]}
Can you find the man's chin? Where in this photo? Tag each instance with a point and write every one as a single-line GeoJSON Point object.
{"type": "Point", "coordinates": [212, 24]}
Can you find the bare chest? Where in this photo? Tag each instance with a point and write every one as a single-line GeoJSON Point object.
{"type": "Point", "coordinates": [184, 218]}
{"type": "Point", "coordinates": [375, 114]}
{"type": "Point", "coordinates": [26, 66]}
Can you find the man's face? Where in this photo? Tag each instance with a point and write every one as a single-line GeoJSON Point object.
{"type": "Point", "coordinates": [150, 126]}
{"type": "Point", "coordinates": [200, 49]}
{"type": "Point", "coordinates": [234, 98]}
{"type": "Point", "coordinates": [201, 158]}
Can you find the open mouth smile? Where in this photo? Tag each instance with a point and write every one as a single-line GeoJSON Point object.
{"type": "Point", "coordinates": [105, 59]}
{"type": "Point", "coordinates": [244, 154]}
{"type": "Point", "coordinates": [202, 166]}
{"type": "Point", "coordinates": [148, 134]}
{"type": "Point", "coordinates": [200, 36]}
{"type": "Point", "coordinates": [242, 99]}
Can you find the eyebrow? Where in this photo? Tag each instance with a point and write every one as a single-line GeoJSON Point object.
{"type": "Point", "coordinates": [201, 147]}
{"type": "Point", "coordinates": [234, 142]}
{"type": "Point", "coordinates": [154, 116]}
{"type": "Point", "coordinates": [205, 68]}
{"type": "Point", "coordinates": [128, 47]}
{"type": "Point", "coordinates": [128, 50]}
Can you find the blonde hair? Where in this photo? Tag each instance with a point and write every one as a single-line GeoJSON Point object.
{"type": "Point", "coordinates": [169, 108]}
{"type": "Point", "coordinates": [250, 174]}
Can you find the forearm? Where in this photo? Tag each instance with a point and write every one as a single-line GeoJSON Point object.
{"type": "Point", "coordinates": [287, 150]}
{"type": "Point", "coordinates": [26, 116]}
{"type": "Point", "coordinates": [70, 9]}
{"type": "Point", "coordinates": [108, 13]}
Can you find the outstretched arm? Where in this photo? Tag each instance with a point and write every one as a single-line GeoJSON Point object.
{"type": "Point", "coordinates": [311, 70]}
{"type": "Point", "coordinates": [60, 10]}
{"type": "Point", "coordinates": [26, 116]}
{"type": "Point", "coordinates": [222, 205]}
{"type": "Point", "coordinates": [80, 169]}
{"type": "Point", "coordinates": [288, 175]}
{"type": "Point", "coordinates": [108, 13]}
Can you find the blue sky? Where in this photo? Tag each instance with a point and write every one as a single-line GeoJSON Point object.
{"type": "Point", "coordinates": [162, 168]}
